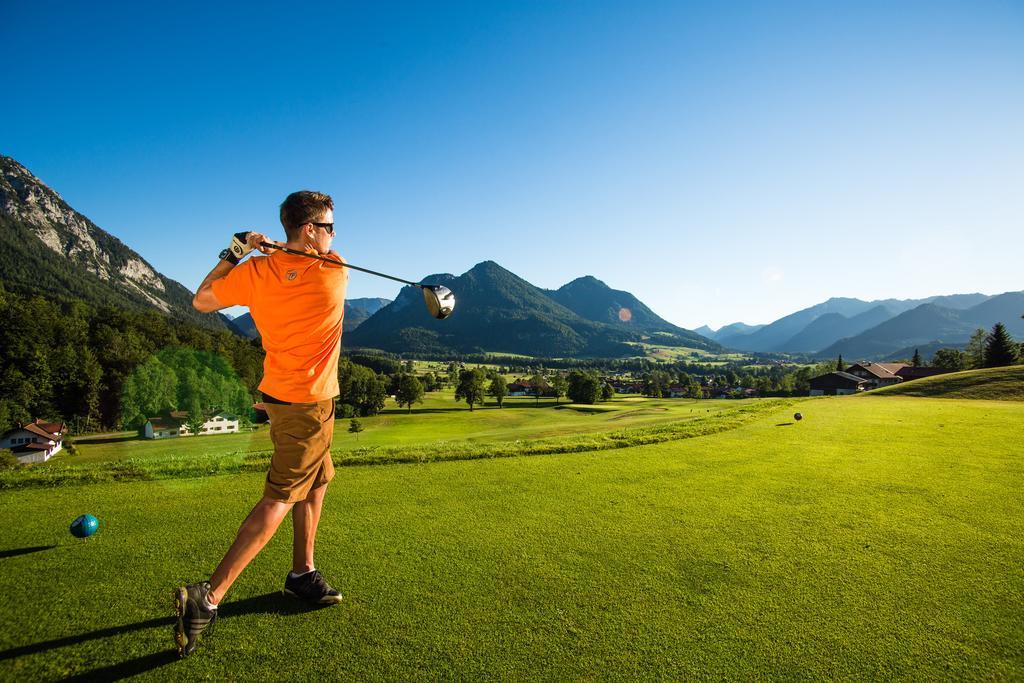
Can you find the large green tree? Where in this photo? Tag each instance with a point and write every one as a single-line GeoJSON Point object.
{"type": "Point", "coordinates": [538, 385]}
{"type": "Point", "coordinates": [584, 387]}
{"type": "Point", "coordinates": [656, 383]}
{"type": "Point", "coordinates": [607, 391]}
{"type": "Point", "coordinates": [1000, 349]}
{"type": "Point", "coordinates": [560, 386]}
{"type": "Point", "coordinates": [498, 388]}
{"type": "Point", "coordinates": [149, 391]}
{"type": "Point", "coordinates": [410, 391]}
{"type": "Point", "coordinates": [952, 359]}
{"type": "Point", "coordinates": [471, 387]}
{"type": "Point", "coordinates": [975, 349]}
{"type": "Point", "coordinates": [693, 390]}
{"type": "Point", "coordinates": [199, 381]}
{"type": "Point", "coordinates": [361, 388]}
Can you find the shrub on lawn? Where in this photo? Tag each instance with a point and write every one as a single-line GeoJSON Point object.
{"type": "Point", "coordinates": [8, 460]}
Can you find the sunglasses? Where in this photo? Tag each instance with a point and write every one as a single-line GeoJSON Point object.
{"type": "Point", "coordinates": [329, 227]}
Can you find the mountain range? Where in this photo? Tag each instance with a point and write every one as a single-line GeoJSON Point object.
{"type": "Point", "coordinates": [727, 331]}
{"type": "Point", "coordinates": [498, 311]}
{"type": "Point", "coordinates": [47, 248]}
{"type": "Point", "coordinates": [881, 329]}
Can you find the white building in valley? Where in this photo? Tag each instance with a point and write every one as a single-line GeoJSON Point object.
{"type": "Point", "coordinates": [176, 424]}
{"type": "Point", "coordinates": [36, 441]}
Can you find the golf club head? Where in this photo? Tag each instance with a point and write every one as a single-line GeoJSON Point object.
{"type": "Point", "coordinates": [440, 300]}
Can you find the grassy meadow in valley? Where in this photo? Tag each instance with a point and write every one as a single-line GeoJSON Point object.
{"type": "Point", "coordinates": [879, 537]}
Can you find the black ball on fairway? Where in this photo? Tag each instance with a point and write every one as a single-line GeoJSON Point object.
{"type": "Point", "coordinates": [84, 526]}
{"type": "Point", "coordinates": [798, 416]}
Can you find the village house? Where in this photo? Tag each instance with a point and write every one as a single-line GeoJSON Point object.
{"type": "Point", "coordinates": [34, 442]}
{"type": "Point", "coordinates": [176, 424]}
{"type": "Point", "coordinates": [622, 386]}
{"type": "Point", "coordinates": [877, 374]}
{"type": "Point", "coordinates": [837, 384]}
{"type": "Point", "coordinates": [711, 390]}
{"type": "Point", "coordinates": [909, 372]}
{"type": "Point", "coordinates": [519, 388]}
{"type": "Point", "coordinates": [523, 387]}
{"type": "Point", "coordinates": [886, 374]}
{"type": "Point", "coordinates": [678, 391]}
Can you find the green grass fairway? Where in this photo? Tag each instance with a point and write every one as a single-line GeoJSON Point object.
{"type": "Point", "coordinates": [1000, 384]}
{"type": "Point", "coordinates": [439, 419]}
{"type": "Point", "coordinates": [875, 539]}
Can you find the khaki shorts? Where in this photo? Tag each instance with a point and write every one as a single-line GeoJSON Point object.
{"type": "Point", "coordinates": [301, 434]}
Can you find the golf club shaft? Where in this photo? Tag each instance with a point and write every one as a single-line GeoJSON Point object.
{"type": "Point", "coordinates": [339, 263]}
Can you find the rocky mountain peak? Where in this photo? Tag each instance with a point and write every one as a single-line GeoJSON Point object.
{"type": "Point", "coordinates": [52, 250]}
{"type": "Point", "coordinates": [25, 198]}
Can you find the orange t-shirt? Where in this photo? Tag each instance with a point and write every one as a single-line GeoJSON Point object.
{"type": "Point", "coordinates": [297, 304]}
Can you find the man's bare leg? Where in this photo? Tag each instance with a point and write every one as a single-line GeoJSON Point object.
{"type": "Point", "coordinates": [256, 530]}
{"type": "Point", "coordinates": [305, 518]}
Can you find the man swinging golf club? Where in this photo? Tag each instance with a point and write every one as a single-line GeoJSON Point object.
{"type": "Point", "coordinates": [298, 304]}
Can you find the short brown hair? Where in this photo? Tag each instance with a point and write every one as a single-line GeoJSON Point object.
{"type": "Point", "coordinates": [303, 207]}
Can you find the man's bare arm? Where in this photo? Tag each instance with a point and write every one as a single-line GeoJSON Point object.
{"type": "Point", "coordinates": [205, 300]}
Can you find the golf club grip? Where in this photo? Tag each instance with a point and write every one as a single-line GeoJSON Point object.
{"type": "Point", "coordinates": [338, 263]}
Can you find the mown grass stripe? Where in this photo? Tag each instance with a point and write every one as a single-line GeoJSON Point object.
{"type": "Point", "coordinates": [248, 461]}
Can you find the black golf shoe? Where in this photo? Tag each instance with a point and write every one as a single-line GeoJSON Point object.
{"type": "Point", "coordinates": [312, 588]}
{"type": "Point", "coordinates": [193, 616]}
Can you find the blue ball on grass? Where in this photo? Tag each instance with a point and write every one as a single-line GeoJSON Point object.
{"type": "Point", "coordinates": [84, 526]}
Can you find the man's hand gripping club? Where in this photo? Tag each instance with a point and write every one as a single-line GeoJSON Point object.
{"type": "Point", "coordinates": [242, 243]}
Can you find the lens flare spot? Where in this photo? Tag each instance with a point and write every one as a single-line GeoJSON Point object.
{"type": "Point", "coordinates": [625, 315]}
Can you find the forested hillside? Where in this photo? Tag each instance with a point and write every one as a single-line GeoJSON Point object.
{"type": "Point", "coordinates": [48, 248]}
{"type": "Point", "coordinates": [62, 359]}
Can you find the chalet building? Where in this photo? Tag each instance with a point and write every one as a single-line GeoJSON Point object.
{"type": "Point", "coordinates": [161, 428]}
{"type": "Point", "coordinates": [712, 391]}
{"type": "Point", "coordinates": [627, 387]}
{"type": "Point", "coordinates": [837, 384]}
{"type": "Point", "coordinates": [877, 374]}
{"type": "Point", "coordinates": [36, 441]}
{"type": "Point", "coordinates": [523, 387]}
{"type": "Point", "coordinates": [176, 424]}
{"type": "Point", "coordinates": [909, 372]}
{"type": "Point", "coordinates": [519, 388]}
{"type": "Point", "coordinates": [678, 391]}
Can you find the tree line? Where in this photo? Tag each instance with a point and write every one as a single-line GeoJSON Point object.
{"type": "Point", "coordinates": [66, 360]}
{"type": "Point", "coordinates": [986, 349]}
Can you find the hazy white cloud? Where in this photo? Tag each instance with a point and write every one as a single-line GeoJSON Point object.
{"type": "Point", "coordinates": [772, 275]}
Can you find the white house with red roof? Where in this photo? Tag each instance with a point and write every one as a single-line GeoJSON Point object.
{"type": "Point", "coordinates": [36, 441]}
{"type": "Point", "coordinates": [176, 424]}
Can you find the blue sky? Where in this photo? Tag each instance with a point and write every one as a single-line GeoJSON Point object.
{"type": "Point", "coordinates": [721, 161]}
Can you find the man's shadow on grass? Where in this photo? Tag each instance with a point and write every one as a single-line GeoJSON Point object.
{"type": "Point", "coordinates": [270, 603]}
{"type": "Point", "coordinates": [14, 552]}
